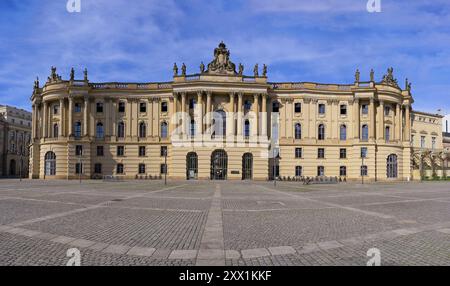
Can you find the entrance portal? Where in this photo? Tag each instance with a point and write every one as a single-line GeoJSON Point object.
{"type": "Point", "coordinates": [191, 166]}
{"type": "Point", "coordinates": [247, 166]}
{"type": "Point", "coordinates": [219, 165]}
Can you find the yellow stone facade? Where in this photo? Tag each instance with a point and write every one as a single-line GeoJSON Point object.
{"type": "Point", "coordinates": [222, 124]}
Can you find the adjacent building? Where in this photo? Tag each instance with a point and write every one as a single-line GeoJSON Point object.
{"type": "Point", "coordinates": [15, 138]}
{"type": "Point", "coordinates": [220, 123]}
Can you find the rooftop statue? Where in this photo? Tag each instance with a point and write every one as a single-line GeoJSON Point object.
{"type": "Point", "coordinates": [72, 74]}
{"type": "Point", "coordinates": [183, 70]}
{"type": "Point", "coordinates": [85, 74]}
{"type": "Point", "coordinates": [221, 63]}
{"type": "Point", "coordinates": [175, 69]}
{"type": "Point", "coordinates": [372, 75]}
{"type": "Point", "coordinates": [255, 70]}
{"type": "Point", "coordinates": [241, 69]}
{"type": "Point", "coordinates": [389, 79]}
{"type": "Point", "coordinates": [202, 67]}
{"type": "Point", "coordinates": [357, 75]}
{"type": "Point", "coordinates": [264, 72]}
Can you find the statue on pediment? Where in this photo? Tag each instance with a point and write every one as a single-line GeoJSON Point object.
{"type": "Point", "coordinates": [357, 75]}
{"type": "Point", "coordinates": [372, 75]}
{"type": "Point", "coordinates": [202, 67]}
{"type": "Point", "coordinates": [255, 71]}
{"type": "Point", "coordinates": [241, 69]}
{"type": "Point", "coordinates": [389, 79]}
{"type": "Point", "coordinates": [72, 74]}
{"type": "Point", "coordinates": [183, 70]}
{"type": "Point", "coordinates": [175, 69]}
{"type": "Point", "coordinates": [264, 71]}
{"type": "Point", "coordinates": [221, 63]}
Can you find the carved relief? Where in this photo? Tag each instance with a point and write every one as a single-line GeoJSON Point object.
{"type": "Point", "coordinates": [221, 63]}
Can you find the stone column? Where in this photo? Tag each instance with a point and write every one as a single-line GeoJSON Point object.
{"type": "Point", "coordinates": [264, 116]}
{"type": "Point", "coordinates": [230, 116]}
{"type": "Point", "coordinates": [356, 114]}
{"type": "Point", "coordinates": [70, 123]}
{"type": "Point", "coordinates": [381, 123]}
{"type": "Point", "coordinates": [200, 113]}
{"type": "Point", "coordinates": [396, 121]}
{"type": "Point", "coordinates": [150, 115]}
{"type": "Point", "coordinates": [239, 115]}
{"type": "Point", "coordinates": [128, 123]}
{"type": "Point", "coordinates": [85, 116]}
{"type": "Point", "coordinates": [183, 112]}
{"type": "Point", "coordinates": [33, 122]}
{"type": "Point", "coordinates": [372, 119]}
{"type": "Point", "coordinates": [400, 123]}
{"type": "Point", "coordinates": [62, 116]}
{"type": "Point", "coordinates": [208, 112]}
{"type": "Point", "coordinates": [45, 117]}
{"type": "Point", "coordinates": [313, 114]}
{"type": "Point", "coordinates": [289, 115]}
{"type": "Point", "coordinates": [255, 112]}
{"type": "Point", "coordinates": [408, 124]}
{"type": "Point", "coordinates": [307, 118]}
{"type": "Point", "coordinates": [114, 117]}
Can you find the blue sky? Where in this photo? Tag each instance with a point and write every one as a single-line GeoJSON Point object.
{"type": "Point", "coordinates": [138, 41]}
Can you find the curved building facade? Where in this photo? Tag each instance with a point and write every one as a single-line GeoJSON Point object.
{"type": "Point", "coordinates": [221, 124]}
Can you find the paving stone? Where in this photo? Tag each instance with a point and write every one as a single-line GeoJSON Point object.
{"type": "Point", "coordinates": [99, 246]}
{"type": "Point", "coordinates": [82, 243]}
{"type": "Point", "coordinates": [282, 250]}
{"type": "Point", "coordinates": [63, 239]}
{"type": "Point", "coordinates": [232, 254]}
{"type": "Point", "coordinates": [183, 254]}
{"type": "Point", "coordinates": [141, 251]}
{"type": "Point", "coordinates": [117, 249]}
{"type": "Point", "coordinates": [253, 253]}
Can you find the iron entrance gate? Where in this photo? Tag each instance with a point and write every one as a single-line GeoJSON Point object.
{"type": "Point", "coordinates": [391, 166]}
{"type": "Point", "coordinates": [219, 165]}
{"type": "Point", "coordinates": [247, 166]}
{"type": "Point", "coordinates": [191, 166]}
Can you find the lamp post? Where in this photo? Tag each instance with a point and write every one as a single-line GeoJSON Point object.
{"type": "Point", "coordinates": [275, 161]}
{"type": "Point", "coordinates": [362, 168]}
{"type": "Point", "coordinates": [165, 167]}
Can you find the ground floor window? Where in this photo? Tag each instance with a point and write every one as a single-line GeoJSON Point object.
{"type": "Point", "coordinates": [364, 171]}
{"type": "Point", "coordinates": [320, 171]}
{"type": "Point", "coordinates": [392, 166]}
{"type": "Point", "coordinates": [50, 164]}
{"type": "Point", "coordinates": [298, 171]}
{"type": "Point", "coordinates": [298, 152]}
{"type": "Point", "coordinates": [98, 168]}
{"type": "Point", "coordinates": [343, 171]}
{"type": "Point", "coordinates": [141, 168]}
{"type": "Point", "coordinates": [119, 169]}
{"type": "Point", "coordinates": [79, 168]}
{"type": "Point", "coordinates": [163, 169]}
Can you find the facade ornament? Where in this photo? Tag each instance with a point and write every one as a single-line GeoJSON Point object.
{"type": "Point", "coordinates": [372, 75]}
{"type": "Point", "coordinates": [255, 70]}
{"type": "Point", "coordinates": [264, 72]}
{"type": "Point", "coordinates": [389, 79]}
{"type": "Point", "coordinates": [202, 67]}
{"type": "Point", "coordinates": [183, 70]}
{"type": "Point", "coordinates": [85, 74]}
{"type": "Point", "coordinates": [72, 74]}
{"type": "Point", "coordinates": [175, 69]}
{"type": "Point", "coordinates": [221, 63]}
{"type": "Point", "coordinates": [54, 77]}
{"type": "Point", "coordinates": [241, 69]}
{"type": "Point", "coordinates": [36, 83]}
{"type": "Point", "coordinates": [357, 76]}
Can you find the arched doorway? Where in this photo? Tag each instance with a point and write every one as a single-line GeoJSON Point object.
{"type": "Point", "coordinates": [12, 167]}
{"type": "Point", "coordinates": [219, 165]}
{"type": "Point", "coordinates": [219, 123]}
{"type": "Point", "coordinates": [191, 166]}
{"type": "Point", "coordinates": [247, 166]}
{"type": "Point", "coordinates": [50, 164]}
{"type": "Point", "coordinates": [392, 166]}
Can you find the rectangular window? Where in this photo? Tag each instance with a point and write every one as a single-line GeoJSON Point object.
{"type": "Point", "coordinates": [119, 169]}
{"type": "Point", "coordinates": [422, 141]}
{"type": "Point", "coordinates": [298, 152]}
{"type": "Point", "coordinates": [98, 168]}
{"type": "Point", "coordinates": [163, 169]}
{"type": "Point", "coordinates": [55, 110]}
{"type": "Point", "coordinates": [433, 143]}
{"type": "Point", "coordinates": [99, 107]}
{"type": "Point", "coordinates": [298, 107]}
{"type": "Point", "coordinates": [364, 171]}
{"type": "Point", "coordinates": [163, 151]}
{"type": "Point", "coordinates": [298, 171]}
{"type": "Point", "coordinates": [77, 107]}
{"type": "Point", "coordinates": [363, 152]}
{"type": "Point", "coordinates": [120, 151]}
{"type": "Point", "coordinates": [100, 152]}
{"type": "Point", "coordinates": [321, 108]}
{"type": "Point", "coordinates": [321, 153]}
{"type": "Point", "coordinates": [412, 139]}
{"type": "Point", "coordinates": [121, 108]}
{"type": "Point", "coordinates": [142, 107]}
{"type": "Point", "coordinates": [192, 103]}
{"type": "Point", "coordinates": [365, 109]}
{"type": "Point", "coordinates": [343, 109]}
{"type": "Point", "coordinates": [387, 110]}
{"type": "Point", "coordinates": [343, 153]}
{"type": "Point", "coordinates": [79, 150]}
{"type": "Point", "coordinates": [141, 151]}
{"type": "Point", "coordinates": [343, 171]}
{"type": "Point", "coordinates": [164, 106]}
{"type": "Point", "coordinates": [79, 168]}
{"type": "Point", "coordinates": [141, 168]}
{"type": "Point", "coordinates": [320, 171]}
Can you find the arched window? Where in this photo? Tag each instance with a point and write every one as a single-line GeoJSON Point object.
{"type": "Point", "coordinates": [164, 130]}
{"type": "Point", "coordinates": [321, 132]}
{"type": "Point", "coordinates": [50, 164]}
{"type": "Point", "coordinates": [121, 130]}
{"type": "Point", "coordinates": [99, 132]}
{"type": "Point", "coordinates": [365, 133]}
{"type": "Point", "coordinates": [391, 166]}
{"type": "Point", "coordinates": [55, 130]}
{"type": "Point", "coordinates": [387, 133]}
{"type": "Point", "coordinates": [343, 132]}
{"type": "Point", "coordinates": [298, 131]}
{"type": "Point", "coordinates": [247, 128]}
{"type": "Point", "coordinates": [77, 129]}
{"type": "Point", "coordinates": [192, 128]}
{"type": "Point", "coordinates": [142, 130]}
{"type": "Point", "coordinates": [220, 123]}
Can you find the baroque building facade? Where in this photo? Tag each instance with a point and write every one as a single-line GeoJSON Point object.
{"type": "Point", "coordinates": [15, 138]}
{"type": "Point", "coordinates": [221, 124]}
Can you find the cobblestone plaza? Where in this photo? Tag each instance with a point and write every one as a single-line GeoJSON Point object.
{"type": "Point", "coordinates": [223, 223]}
